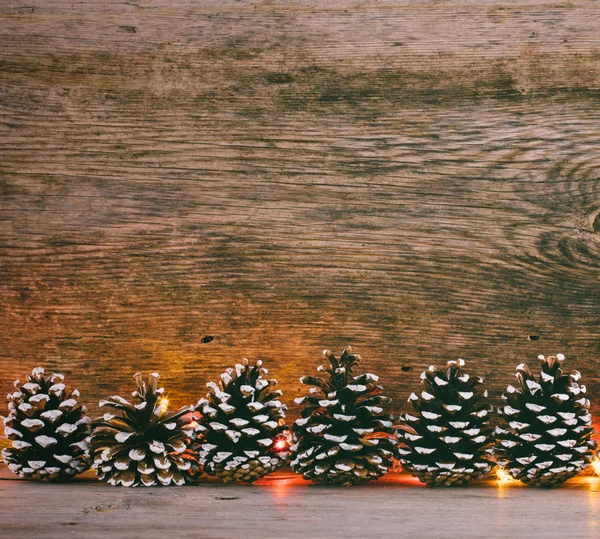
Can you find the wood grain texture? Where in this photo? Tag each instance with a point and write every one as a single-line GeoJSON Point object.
{"type": "Point", "coordinates": [417, 179]}
{"type": "Point", "coordinates": [283, 505]}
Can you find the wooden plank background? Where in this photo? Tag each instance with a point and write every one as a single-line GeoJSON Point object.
{"type": "Point", "coordinates": [419, 179]}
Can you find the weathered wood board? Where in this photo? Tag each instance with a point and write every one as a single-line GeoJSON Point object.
{"type": "Point", "coordinates": [418, 179]}
{"type": "Point", "coordinates": [283, 506]}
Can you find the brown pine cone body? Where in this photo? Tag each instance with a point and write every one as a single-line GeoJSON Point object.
{"type": "Point", "coordinates": [546, 435]}
{"type": "Point", "coordinates": [447, 440]}
{"type": "Point", "coordinates": [49, 430]}
{"type": "Point", "coordinates": [242, 425]}
{"type": "Point", "coordinates": [344, 435]}
{"type": "Point", "coordinates": [145, 444]}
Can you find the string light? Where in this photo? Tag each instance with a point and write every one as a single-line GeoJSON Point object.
{"type": "Point", "coordinates": [281, 445]}
{"type": "Point", "coordinates": [163, 406]}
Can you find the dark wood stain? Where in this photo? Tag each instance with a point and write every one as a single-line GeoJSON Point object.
{"type": "Point", "coordinates": [417, 179]}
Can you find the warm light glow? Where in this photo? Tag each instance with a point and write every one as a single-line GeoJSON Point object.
{"type": "Point", "coordinates": [281, 445]}
{"type": "Point", "coordinates": [400, 479]}
{"type": "Point", "coordinates": [163, 406]}
{"type": "Point", "coordinates": [596, 466]}
{"type": "Point", "coordinates": [281, 485]}
{"type": "Point", "coordinates": [192, 424]}
{"type": "Point", "coordinates": [504, 478]}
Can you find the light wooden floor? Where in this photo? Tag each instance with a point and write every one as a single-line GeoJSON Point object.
{"type": "Point", "coordinates": [285, 506]}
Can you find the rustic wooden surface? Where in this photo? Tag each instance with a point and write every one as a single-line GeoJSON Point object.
{"type": "Point", "coordinates": [186, 183]}
{"type": "Point", "coordinates": [283, 506]}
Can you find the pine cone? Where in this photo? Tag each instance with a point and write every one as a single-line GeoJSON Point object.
{"type": "Point", "coordinates": [546, 435]}
{"type": "Point", "coordinates": [343, 436]}
{"type": "Point", "coordinates": [48, 428]}
{"type": "Point", "coordinates": [145, 444]}
{"type": "Point", "coordinates": [243, 426]}
{"type": "Point", "coordinates": [447, 441]}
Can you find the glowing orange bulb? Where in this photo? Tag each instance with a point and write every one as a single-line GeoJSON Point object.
{"type": "Point", "coordinates": [280, 445]}
{"type": "Point", "coordinates": [596, 466]}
